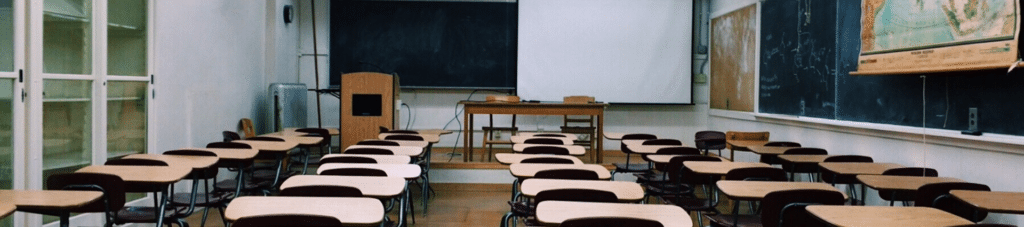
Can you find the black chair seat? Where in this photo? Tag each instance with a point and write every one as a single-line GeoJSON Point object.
{"type": "Point", "coordinates": [729, 220]}
{"type": "Point", "coordinates": [631, 168]}
{"type": "Point", "coordinates": [231, 184]}
{"type": "Point", "coordinates": [148, 214]}
{"type": "Point", "coordinates": [651, 178]}
{"type": "Point", "coordinates": [216, 198]}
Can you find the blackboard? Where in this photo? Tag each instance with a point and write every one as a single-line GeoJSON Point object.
{"type": "Point", "coordinates": [428, 44]}
{"type": "Point", "coordinates": [939, 101]}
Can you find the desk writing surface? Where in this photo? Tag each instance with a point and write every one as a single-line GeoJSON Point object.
{"type": "Point", "coordinates": [885, 216]}
{"type": "Point", "coordinates": [884, 182]}
{"type": "Point", "coordinates": [756, 190]}
{"type": "Point", "coordinates": [236, 154]}
{"type": "Point", "coordinates": [430, 138]}
{"type": "Point", "coordinates": [534, 134]}
{"type": "Point", "coordinates": [195, 162]}
{"type": "Point", "coordinates": [552, 213]}
{"type": "Point", "coordinates": [527, 170]}
{"type": "Point", "coordinates": [997, 202]}
{"type": "Point", "coordinates": [650, 149]}
{"type": "Point", "coordinates": [142, 174]}
{"type": "Point", "coordinates": [519, 139]}
{"type": "Point", "coordinates": [381, 159]}
{"type": "Point", "coordinates": [405, 143]}
{"type": "Point", "coordinates": [398, 150]}
{"type": "Point", "coordinates": [434, 131]}
{"type": "Point", "coordinates": [720, 168]}
{"type": "Point", "coordinates": [269, 146]}
{"type": "Point", "coordinates": [407, 171]}
{"type": "Point", "coordinates": [666, 158]}
{"type": "Point", "coordinates": [624, 190]}
{"type": "Point", "coordinates": [300, 139]}
{"type": "Point", "coordinates": [376, 187]}
{"type": "Point", "coordinates": [804, 158]}
{"type": "Point", "coordinates": [47, 199]}
{"type": "Point", "coordinates": [353, 211]}
{"type": "Point", "coordinates": [768, 150]}
{"type": "Point", "coordinates": [858, 168]}
{"type": "Point", "coordinates": [512, 158]}
{"type": "Point", "coordinates": [573, 149]}
{"type": "Point", "coordinates": [332, 131]}
{"type": "Point", "coordinates": [614, 135]}
{"type": "Point", "coordinates": [6, 208]}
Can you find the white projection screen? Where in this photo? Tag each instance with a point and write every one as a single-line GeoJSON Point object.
{"type": "Point", "coordinates": [619, 51]}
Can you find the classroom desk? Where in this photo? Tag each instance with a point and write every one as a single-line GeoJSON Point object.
{"type": "Point", "coordinates": [573, 149]}
{"type": "Point", "coordinates": [160, 176]}
{"type": "Point", "coordinates": [666, 158]}
{"type": "Point", "coordinates": [553, 213]}
{"type": "Point", "coordinates": [239, 157]}
{"type": "Point", "coordinates": [906, 183]}
{"type": "Point", "coordinates": [407, 171]}
{"type": "Point", "coordinates": [528, 170]}
{"type": "Point", "coordinates": [625, 191]}
{"type": "Point", "coordinates": [885, 216]}
{"type": "Point", "coordinates": [430, 138]}
{"type": "Point", "coordinates": [852, 169]}
{"type": "Point", "coordinates": [995, 202]}
{"type": "Point", "coordinates": [521, 139]}
{"type": "Point", "coordinates": [637, 144]}
{"type": "Point", "coordinates": [381, 159]}
{"type": "Point", "coordinates": [397, 150]}
{"type": "Point", "coordinates": [534, 134]}
{"type": "Point", "coordinates": [351, 211]}
{"type": "Point", "coordinates": [756, 190]}
{"type": "Point", "coordinates": [768, 150]}
{"type": "Point", "coordinates": [274, 148]}
{"type": "Point", "coordinates": [742, 145]}
{"type": "Point", "coordinates": [614, 135]}
{"type": "Point", "coordinates": [296, 138]}
{"type": "Point", "coordinates": [719, 168]}
{"type": "Point", "coordinates": [405, 143]}
{"type": "Point", "coordinates": [194, 162]}
{"type": "Point", "coordinates": [49, 200]}
{"type": "Point", "coordinates": [332, 131]}
{"type": "Point", "coordinates": [374, 187]}
{"type": "Point", "coordinates": [649, 149]}
{"type": "Point", "coordinates": [476, 107]}
{"type": "Point", "coordinates": [804, 158]}
{"type": "Point", "coordinates": [513, 158]}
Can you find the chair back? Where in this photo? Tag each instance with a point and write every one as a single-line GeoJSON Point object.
{"type": "Point", "coordinates": [224, 163]}
{"type": "Point", "coordinates": [546, 150]}
{"type": "Point", "coordinates": [679, 174]}
{"type": "Point", "coordinates": [547, 160]}
{"type": "Point", "coordinates": [550, 135]}
{"type": "Point", "coordinates": [246, 125]}
{"type": "Point", "coordinates": [318, 132]}
{"type": "Point", "coordinates": [409, 137]}
{"type": "Point", "coordinates": [567, 174]}
{"type": "Point", "coordinates": [830, 177]}
{"type": "Point", "coordinates": [609, 221]}
{"type": "Point", "coordinates": [377, 143]}
{"type": "Point", "coordinates": [265, 138]}
{"type": "Point", "coordinates": [366, 172]}
{"type": "Point", "coordinates": [778, 209]}
{"type": "Point", "coordinates": [679, 151]}
{"type": "Point", "coordinates": [347, 159]}
{"type": "Point", "coordinates": [542, 140]}
{"type": "Point", "coordinates": [230, 136]}
{"type": "Point", "coordinates": [805, 150]}
{"type": "Point", "coordinates": [207, 173]}
{"type": "Point", "coordinates": [576, 195]}
{"type": "Point", "coordinates": [634, 136]}
{"type": "Point", "coordinates": [403, 132]}
{"type": "Point", "coordinates": [937, 195]}
{"type": "Point", "coordinates": [113, 188]}
{"type": "Point", "coordinates": [756, 174]}
{"type": "Point", "coordinates": [283, 220]}
{"type": "Point", "coordinates": [134, 162]}
{"type": "Point", "coordinates": [369, 150]}
{"type": "Point", "coordinates": [709, 140]}
{"type": "Point", "coordinates": [663, 142]}
{"type": "Point", "coordinates": [322, 191]}
{"type": "Point", "coordinates": [228, 145]}
{"type": "Point", "coordinates": [749, 136]}
{"type": "Point", "coordinates": [782, 144]}
{"type": "Point", "coordinates": [849, 158]}
{"type": "Point", "coordinates": [912, 171]}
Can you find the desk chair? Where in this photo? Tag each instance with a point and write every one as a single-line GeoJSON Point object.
{"type": "Point", "coordinates": [833, 178]}
{"type": "Point", "coordinates": [366, 172]}
{"type": "Point", "coordinates": [322, 191]}
{"type": "Point", "coordinates": [628, 167]}
{"type": "Point", "coordinates": [378, 143]}
{"type": "Point", "coordinates": [680, 189]}
{"type": "Point", "coordinates": [135, 214]}
{"type": "Point", "coordinates": [325, 144]}
{"type": "Point", "coordinates": [809, 168]}
{"type": "Point", "coordinates": [285, 220]}
{"type": "Point", "coordinates": [245, 124]}
{"type": "Point", "coordinates": [345, 159]}
{"type": "Point", "coordinates": [710, 140]}
{"type": "Point", "coordinates": [745, 136]}
{"type": "Point", "coordinates": [620, 221]}
{"type": "Point", "coordinates": [369, 151]}
{"type": "Point", "coordinates": [113, 194]}
{"type": "Point", "coordinates": [582, 126]}
{"type": "Point", "coordinates": [527, 209]}
{"type": "Point", "coordinates": [655, 178]}
{"type": "Point", "coordinates": [546, 150]}
{"type": "Point", "coordinates": [207, 199]}
{"type": "Point", "coordinates": [543, 140]}
{"type": "Point", "coordinates": [905, 196]}
{"type": "Point", "coordinates": [774, 159]}
{"type": "Point", "coordinates": [547, 160]}
{"type": "Point", "coordinates": [936, 195]}
{"type": "Point", "coordinates": [783, 209]}
{"type": "Point", "coordinates": [423, 161]}
{"type": "Point", "coordinates": [233, 185]}
{"type": "Point", "coordinates": [489, 131]}
{"type": "Point", "coordinates": [271, 173]}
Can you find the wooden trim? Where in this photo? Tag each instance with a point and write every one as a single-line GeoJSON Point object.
{"type": "Point", "coordinates": [472, 187]}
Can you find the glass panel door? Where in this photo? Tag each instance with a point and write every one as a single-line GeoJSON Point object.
{"type": "Point", "coordinates": [127, 37]}
{"type": "Point", "coordinates": [67, 37]}
{"type": "Point", "coordinates": [7, 88]}
{"type": "Point", "coordinates": [67, 125]}
{"type": "Point", "coordinates": [126, 118]}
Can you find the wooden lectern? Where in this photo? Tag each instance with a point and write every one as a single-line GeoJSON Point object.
{"type": "Point", "coordinates": [367, 103]}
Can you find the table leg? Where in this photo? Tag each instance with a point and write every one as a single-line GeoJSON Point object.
{"type": "Point", "coordinates": [514, 182]}
{"type": "Point", "coordinates": [280, 163]}
{"type": "Point", "coordinates": [600, 138]}
{"type": "Point", "coordinates": [65, 219]}
{"type": "Point", "coordinates": [241, 177]}
{"type": "Point", "coordinates": [467, 141]}
{"type": "Point", "coordinates": [403, 203]}
{"type": "Point", "coordinates": [160, 212]}
{"type": "Point", "coordinates": [863, 191]}
{"type": "Point", "coordinates": [426, 179]}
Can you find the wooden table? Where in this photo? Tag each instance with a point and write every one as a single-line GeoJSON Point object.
{"type": "Point", "coordinates": [756, 190]}
{"type": "Point", "coordinates": [520, 139]}
{"type": "Point", "coordinates": [512, 158]}
{"type": "Point", "coordinates": [996, 202]}
{"type": "Point", "coordinates": [885, 216]}
{"type": "Point", "coordinates": [381, 159]}
{"type": "Point", "coordinates": [160, 176]}
{"type": "Point", "coordinates": [397, 150]}
{"type": "Point", "coordinates": [742, 145]}
{"type": "Point", "coordinates": [624, 190]}
{"type": "Point", "coordinates": [407, 171]}
{"type": "Point", "coordinates": [553, 213]}
{"type": "Point", "coordinates": [907, 183]}
{"type": "Point", "coordinates": [476, 107]}
{"type": "Point", "coordinates": [351, 211]}
{"type": "Point", "coordinates": [49, 200]}
{"type": "Point", "coordinates": [528, 170]}
{"type": "Point", "coordinates": [573, 149]}
{"type": "Point", "coordinates": [719, 168]}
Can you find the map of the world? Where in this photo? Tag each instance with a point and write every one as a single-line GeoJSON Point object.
{"type": "Point", "coordinates": [897, 25]}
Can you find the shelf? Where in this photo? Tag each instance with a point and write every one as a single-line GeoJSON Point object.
{"type": "Point", "coordinates": [67, 100]}
{"type": "Point", "coordinates": [124, 98]}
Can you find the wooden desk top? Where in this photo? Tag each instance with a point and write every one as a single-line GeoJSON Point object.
{"type": "Point", "coordinates": [624, 190]}
{"type": "Point", "coordinates": [430, 138]}
{"type": "Point", "coordinates": [997, 202]}
{"type": "Point", "coordinates": [756, 190]}
{"type": "Point", "coordinates": [614, 135]}
{"type": "Point", "coordinates": [885, 216]}
{"type": "Point", "coordinates": [142, 174]}
{"type": "Point", "coordinates": [376, 187]}
{"type": "Point", "coordinates": [231, 153]}
{"type": "Point", "coordinates": [6, 208]}
{"type": "Point", "coordinates": [332, 131]}
{"type": "Point", "coordinates": [804, 158]}
{"type": "Point", "coordinates": [766, 150]}
{"type": "Point", "coordinates": [407, 143]}
{"type": "Point", "coordinates": [573, 149]}
{"type": "Point", "coordinates": [553, 213]}
{"type": "Point", "coordinates": [911, 183]}
{"type": "Point", "coordinates": [434, 131]}
{"type": "Point", "coordinates": [194, 162]}
{"type": "Point", "coordinates": [518, 139]}
{"type": "Point", "coordinates": [533, 134]}
{"type": "Point", "coordinates": [649, 149]}
{"type": "Point", "coordinates": [298, 138]}
{"type": "Point", "coordinates": [407, 171]}
{"type": "Point", "coordinates": [527, 170]}
{"type": "Point", "coordinates": [720, 168]}
{"type": "Point", "coordinates": [638, 143]}
{"type": "Point", "coordinates": [745, 144]}
{"type": "Point", "coordinates": [858, 168]}
{"type": "Point", "coordinates": [353, 211]}
{"type": "Point", "coordinates": [269, 146]}
{"type": "Point", "coordinates": [512, 158]}
{"type": "Point", "coordinates": [398, 150]}
{"type": "Point", "coordinates": [46, 199]}
{"type": "Point", "coordinates": [381, 159]}
{"type": "Point", "coordinates": [666, 158]}
{"type": "Point", "coordinates": [532, 104]}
